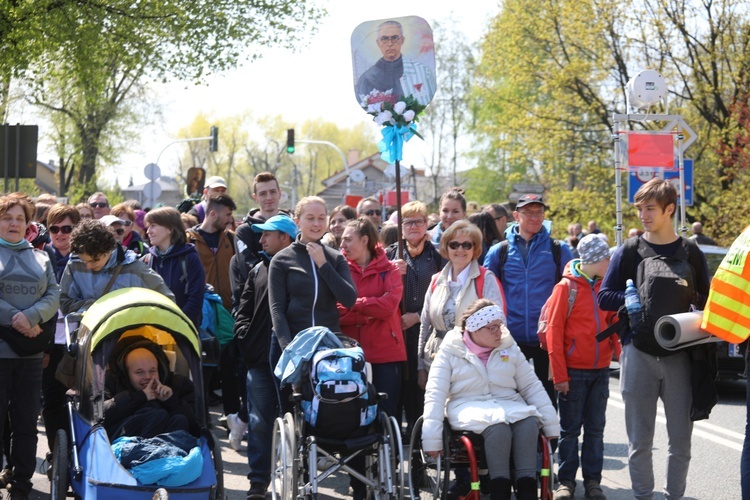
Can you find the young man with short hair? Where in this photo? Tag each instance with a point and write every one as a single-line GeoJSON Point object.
{"type": "Point", "coordinates": [214, 185]}
{"type": "Point", "coordinates": [646, 377]}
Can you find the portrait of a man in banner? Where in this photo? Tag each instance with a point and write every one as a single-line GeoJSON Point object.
{"type": "Point", "coordinates": [394, 57]}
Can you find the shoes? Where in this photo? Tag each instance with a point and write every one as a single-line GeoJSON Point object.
{"type": "Point", "coordinates": [237, 429]}
{"type": "Point", "coordinates": [257, 491]}
{"type": "Point", "coordinates": [594, 490]}
{"type": "Point", "coordinates": [458, 488]}
{"type": "Point", "coordinates": [47, 464]}
{"type": "Point", "coordinates": [6, 476]}
{"type": "Point", "coordinates": [566, 491]}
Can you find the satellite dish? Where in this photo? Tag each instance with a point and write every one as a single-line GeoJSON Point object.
{"type": "Point", "coordinates": [646, 89]}
{"type": "Point", "coordinates": [357, 176]}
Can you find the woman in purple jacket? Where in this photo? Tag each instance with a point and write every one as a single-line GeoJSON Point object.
{"type": "Point", "coordinates": [176, 261]}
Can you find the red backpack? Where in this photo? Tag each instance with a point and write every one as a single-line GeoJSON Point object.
{"type": "Point", "coordinates": [544, 313]}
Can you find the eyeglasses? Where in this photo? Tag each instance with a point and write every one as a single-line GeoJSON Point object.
{"type": "Point", "coordinates": [492, 328]}
{"type": "Point", "coordinates": [391, 39]}
{"type": "Point", "coordinates": [64, 229]}
{"type": "Point", "coordinates": [532, 213]}
{"type": "Point", "coordinates": [498, 218]}
{"type": "Point", "coordinates": [100, 204]}
{"type": "Point", "coordinates": [120, 231]}
{"type": "Point", "coordinates": [466, 245]}
{"type": "Point", "coordinates": [370, 213]}
{"type": "Point", "coordinates": [414, 223]}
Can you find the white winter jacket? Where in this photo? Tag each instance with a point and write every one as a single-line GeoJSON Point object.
{"type": "Point", "coordinates": [473, 396]}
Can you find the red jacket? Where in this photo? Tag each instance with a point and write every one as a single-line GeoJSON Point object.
{"type": "Point", "coordinates": [571, 339]}
{"type": "Point", "coordinates": [375, 319]}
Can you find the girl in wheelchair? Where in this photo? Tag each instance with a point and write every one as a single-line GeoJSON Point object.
{"type": "Point", "coordinates": [481, 382]}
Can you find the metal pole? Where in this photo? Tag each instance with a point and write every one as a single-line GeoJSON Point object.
{"type": "Point", "coordinates": [681, 166]}
{"type": "Point", "coordinates": [618, 183]}
{"type": "Point", "coordinates": [343, 157]}
{"type": "Point", "coordinates": [181, 140]}
{"type": "Point", "coordinates": [18, 155]}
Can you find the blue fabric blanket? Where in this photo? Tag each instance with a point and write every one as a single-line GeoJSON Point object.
{"type": "Point", "coordinates": [172, 459]}
{"type": "Point", "coordinates": [299, 352]}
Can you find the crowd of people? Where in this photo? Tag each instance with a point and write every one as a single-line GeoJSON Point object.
{"type": "Point", "coordinates": [448, 317]}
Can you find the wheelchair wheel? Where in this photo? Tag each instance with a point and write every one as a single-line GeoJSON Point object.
{"type": "Point", "coordinates": [546, 479]}
{"type": "Point", "coordinates": [428, 477]}
{"type": "Point", "coordinates": [60, 465]}
{"type": "Point", "coordinates": [283, 474]}
{"type": "Point", "coordinates": [396, 457]}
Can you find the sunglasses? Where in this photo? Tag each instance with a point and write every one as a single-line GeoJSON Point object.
{"type": "Point", "coordinates": [466, 245]}
{"type": "Point", "coordinates": [370, 213]}
{"type": "Point", "coordinates": [127, 223]}
{"type": "Point", "coordinates": [64, 229]}
{"type": "Point", "coordinates": [120, 231]}
{"type": "Point", "coordinates": [99, 204]}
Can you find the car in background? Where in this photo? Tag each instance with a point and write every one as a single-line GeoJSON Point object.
{"type": "Point", "coordinates": [731, 362]}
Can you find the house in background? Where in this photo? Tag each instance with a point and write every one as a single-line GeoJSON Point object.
{"type": "Point", "coordinates": [371, 176]}
{"type": "Point", "coordinates": [46, 177]}
{"type": "Point", "coordinates": [170, 193]}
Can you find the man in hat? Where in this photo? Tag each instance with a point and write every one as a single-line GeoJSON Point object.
{"type": "Point", "coordinates": [214, 185]}
{"type": "Point", "coordinates": [580, 366]}
{"type": "Point", "coordinates": [529, 264]}
{"type": "Point", "coordinates": [252, 332]}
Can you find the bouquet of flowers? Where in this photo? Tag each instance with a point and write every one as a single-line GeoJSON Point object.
{"type": "Point", "coordinates": [398, 117]}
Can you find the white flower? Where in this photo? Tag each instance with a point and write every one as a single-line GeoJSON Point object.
{"type": "Point", "coordinates": [409, 115]}
{"type": "Point", "coordinates": [374, 107]}
{"type": "Point", "coordinates": [399, 107]}
{"type": "Point", "coordinates": [383, 118]}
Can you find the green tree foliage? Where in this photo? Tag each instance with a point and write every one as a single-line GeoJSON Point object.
{"type": "Point", "coordinates": [553, 73]}
{"type": "Point", "coordinates": [101, 52]}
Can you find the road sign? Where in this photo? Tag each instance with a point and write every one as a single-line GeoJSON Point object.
{"type": "Point", "coordinates": [639, 177]}
{"type": "Point", "coordinates": [152, 171]}
{"type": "Point", "coordinates": [152, 190]}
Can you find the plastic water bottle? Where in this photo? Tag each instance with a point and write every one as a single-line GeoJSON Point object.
{"type": "Point", "coordinates": [632, 301]}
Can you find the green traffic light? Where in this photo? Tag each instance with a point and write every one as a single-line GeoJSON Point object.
{"type": "Point", "coordinates": [290, 141]}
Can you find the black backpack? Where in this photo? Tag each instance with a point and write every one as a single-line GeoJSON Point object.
{"type": "Point", "coordinates": [666, 285]}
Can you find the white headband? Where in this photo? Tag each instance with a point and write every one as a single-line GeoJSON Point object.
{"type": "Point", "coordinates": [483, 317]}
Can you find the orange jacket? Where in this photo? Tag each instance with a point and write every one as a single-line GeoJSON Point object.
{"type": "Point", "coordinates": [571, 339]}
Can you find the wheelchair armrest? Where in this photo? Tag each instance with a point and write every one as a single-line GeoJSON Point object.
{"type": "Point", "coordinates": [382, 396]}
{"type": "Point", "coordinates": [296, 397]}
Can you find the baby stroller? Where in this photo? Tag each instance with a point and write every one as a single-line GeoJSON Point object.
{"type": "Point", "coordinates": [83, 459]}
{"type": "Point", "coordinates": [336, 418]}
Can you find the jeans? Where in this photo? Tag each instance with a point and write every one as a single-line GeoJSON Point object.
{"type": "Point", "coordinates": [585, 405]}
{"type": "Point", "coordinates": [20, 391]}
{"type": "Point", "coordinates": [261, 410]}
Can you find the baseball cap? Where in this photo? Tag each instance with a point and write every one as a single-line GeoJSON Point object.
{"type": "Point", "coordinates": [280, 222]}
{"type": "Point", "coordinates": [215, 181]}
{"type": "Point", "coordinates": [592, 249]}
{"type": "Point", "coordinates": [528, 199]}
{"type": "Point", "coordinates": [108, 220]}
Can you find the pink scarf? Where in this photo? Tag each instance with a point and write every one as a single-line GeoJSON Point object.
{"type": "Point", "coordinates": [483, 353]}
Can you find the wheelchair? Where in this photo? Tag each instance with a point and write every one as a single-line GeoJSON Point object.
{"type": "Point", "coordinates": [429, 478]}
{"type": "Point", "coordinates": [296, 452]}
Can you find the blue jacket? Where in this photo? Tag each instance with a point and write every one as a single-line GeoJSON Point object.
{"type": "Point", "coordinates": [527, 284]}
{"type": "Point", "coordinates": [172, 268]}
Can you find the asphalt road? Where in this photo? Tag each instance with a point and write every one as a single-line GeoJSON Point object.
{"type": "Point", "coordinates": [714, 470]}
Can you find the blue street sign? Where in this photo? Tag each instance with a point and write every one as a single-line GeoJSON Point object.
{"type": "Point", "coordinates": [639, 177]}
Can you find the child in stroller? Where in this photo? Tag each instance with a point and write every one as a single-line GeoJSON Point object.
{"type": "Point", "coordinates": [142, 397]}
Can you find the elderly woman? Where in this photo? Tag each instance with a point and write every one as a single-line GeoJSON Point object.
{"type": "Point", "coordinates": [461, 282]}
{"type": "Point", "coordinates": [481, 381]}
{"type": "Point", "coordinates": [29, 299]}
{"type": "Point", "coordinates": [420, 262]}
{"type": "Point", "coordinates": [130, 239]}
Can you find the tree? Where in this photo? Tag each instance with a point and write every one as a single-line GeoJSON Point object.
{"type": "Point", "coordinates": [553, 73]}
{"type": "Point", "coordinates": [105, 50]}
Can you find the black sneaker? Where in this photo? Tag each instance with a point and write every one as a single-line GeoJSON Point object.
{"type": "Point", "coordinates": [6, 476]}
{"type": "Point", "coordinates": [257, 492]}
{"type": "Point", "coordinates": [16, 493]}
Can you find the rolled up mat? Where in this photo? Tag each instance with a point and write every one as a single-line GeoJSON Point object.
{"type": "Point", "coordinates": [682, 330]}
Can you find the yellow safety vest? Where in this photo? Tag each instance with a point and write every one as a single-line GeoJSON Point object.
{"type": "Point", "coordinates": [727, 312]}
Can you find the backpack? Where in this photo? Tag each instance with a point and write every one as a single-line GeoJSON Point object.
{"type": "Point", "coordinates": [338, 402]}
{"type": "Point", "coordinates": [666, 285]}
{"type": "Point", "coordinates": [554, 247]}
{"type": "Point", "coordinates": [544, 314]}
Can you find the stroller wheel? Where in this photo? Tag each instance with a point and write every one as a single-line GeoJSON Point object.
{"type": "Point", "coordinates": [161, 494]}
{"type": "Point", "coordinates": [59, 482]}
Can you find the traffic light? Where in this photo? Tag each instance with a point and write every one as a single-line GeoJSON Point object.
{"type": "Point", "coordinates": [214, 145]}
{"type": "Point", "coordinates": [290, 141]}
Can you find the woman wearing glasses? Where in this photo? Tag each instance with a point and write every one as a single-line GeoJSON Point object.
{"type": "Point", "coordinates": [461, 282]}
{"type": "Point", "coordinates": [61, 219]}
{"type": "Point", "coordinates": [131, 240]}
{"type": "Point", "coordinates": [420, 262]}
{"type": "Point", "coordinates": [480, 380]}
